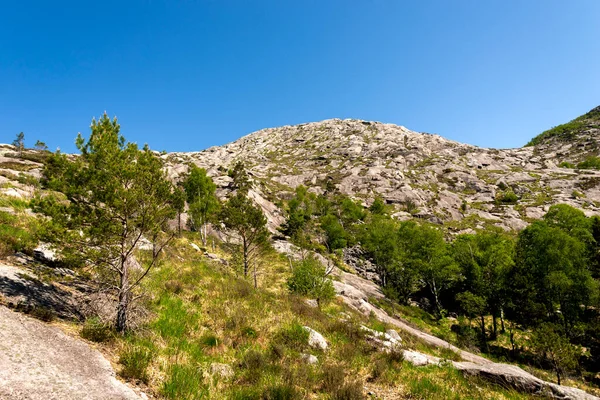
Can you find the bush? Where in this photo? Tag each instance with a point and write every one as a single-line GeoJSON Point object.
{"type": "Point", "coordinates": [135, 361]}
{"type": "Point", "coordinates": [293, 337]}
{"type": "Point", "coordinates": [209, 340]}
{"type": "Point", "coordinates": [349, 391]}
{"type": "Point", "coordinates": [507, 197]}
{"type": "Point", "coordinates": [333, 378]}
{"type": "Point", "coordinates": [310, 278]}
{"type": "Point", "coordinates": [97, 331]}
{"type": "Point", "coordinates": [591, 162]}
{"type": "Point", "coordinates": [280, 392]}
{"type": "Point", "coordinates": [43, 314]}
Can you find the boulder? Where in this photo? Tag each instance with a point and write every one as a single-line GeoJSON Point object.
{"type": "Point", "coordinates": [315, 339]}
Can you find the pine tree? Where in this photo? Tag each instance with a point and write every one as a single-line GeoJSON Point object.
{"type": "Point", "coordinates": [19, 143]}
{"type": "Point", "coordinates": [113, 195]}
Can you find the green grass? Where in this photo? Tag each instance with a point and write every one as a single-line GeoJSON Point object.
{"type": "Point", "coordinates": [215, 316]}
{"type": "Point", "coordinates": [569, 130]}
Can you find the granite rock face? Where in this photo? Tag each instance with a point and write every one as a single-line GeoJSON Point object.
{"type": "Point", "coordinates": [419, 174]}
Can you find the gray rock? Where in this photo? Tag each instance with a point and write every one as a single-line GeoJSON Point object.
{"type": "Point", "coordinates": [40, 362]}
{"type": "Point", "coordinates": [315, 339]}
{"type": "Point", "coordinates": [310, 359]}
{"type": "Point", "coordinates": [223, 371]}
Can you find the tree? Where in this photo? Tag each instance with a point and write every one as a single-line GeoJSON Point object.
{"type": "Point", "coordinates": [554, 347]}
{"type": "Point", "coordinates": [378, 207]}
{"type": "Point", "coordinates": [311, 278]}
{"type": "Point", "coordinates": [381, 242]}
{"type": "Point", "coordinates": [424, 250]}
{"type": "Point", "coordinates": [113, 195]}
{"type": "Point", "coordinates": [179, 205]}
{"type": "Point", "coordinates": [241, 181]}
{"type": "Point", "coordinates": [200, 191]}
{"type": "Point", "coordinates": [19, 143]}
{"type": "Point", "coordinates": [550, 280]}
{"type": "Point", "coordinates": [484, 260]}
{"type": "Point", "coordinates": [241, 216]}
{"type": "Point", "coordinates": [39, 145]}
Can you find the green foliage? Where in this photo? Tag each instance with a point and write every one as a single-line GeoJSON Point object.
{"type": "Point", "coordinates": [96, 331]}
{"type": "Point", "coordinates": [135, 360]}
{"type": "Point", "coordinates": [241, 216]}
{"type": "Point", "coordinates": [200, 193]}
{"type": "Point", "coordinates": [39, 145]}
{"type": "Point", "coordinates": [112, 195]}
{"type": "Point", "coordinates": [554, 347]}
{"type": "Point", "coordinates": [568, 131]}
{"type": "Point", "coordinates": [241, 181]}
{"type": "Point", "coordinates": [378, 207]}
{"type": "Point", "coordinates": [300, 210]}
{"type": "Point", "coordinates": [311, 278]}
{"type": "Point", "coordinates": [566, 164]}
{"type": "Point", "coordinates": [183, 383]}
{"type": "Point", "coordinates": [507, 197]}
{"type": "Point", "coordinates": [19, 142]}
{"type": "Point", "coordinates": [591, 162]}
{"type": "Point", "coordinates": [550, 278]}
{"type": "Point", "coordinates": [292, 336]}
{"type": "Point", "coordinates": [426, 253]}
{"type": "Point", "coordinates": [335, 235]}
{"type": "Point", "coordinates": [15, 237]}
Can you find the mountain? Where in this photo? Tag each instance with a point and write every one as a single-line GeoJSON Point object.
{"type": "Point", "coordinates": [421, 175]}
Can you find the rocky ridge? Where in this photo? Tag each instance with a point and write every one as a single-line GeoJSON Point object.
{"type": "Point", "coordinates": [422, 175]}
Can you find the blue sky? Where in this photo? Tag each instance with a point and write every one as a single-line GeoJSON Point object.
{"type": "Point", "coordinates": [187, 75]}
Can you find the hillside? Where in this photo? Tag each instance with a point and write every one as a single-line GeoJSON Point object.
{"type": "Point", "coordinates": [432, 178]}
{"type": "Point", "coordinates": [202, 329]}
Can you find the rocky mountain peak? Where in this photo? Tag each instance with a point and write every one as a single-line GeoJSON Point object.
{"type": "Point", "coordinates": [421, 175]}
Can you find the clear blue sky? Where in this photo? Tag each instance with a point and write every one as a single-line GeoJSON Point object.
{"type": "Point", "coordinates": [186, 75]}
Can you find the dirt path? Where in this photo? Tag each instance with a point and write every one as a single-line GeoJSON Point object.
{"type": "Point", "coordinates": [40, 362]}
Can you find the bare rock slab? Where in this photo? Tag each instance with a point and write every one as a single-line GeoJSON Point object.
{"type": "Point", "coordinates": [40, 362]}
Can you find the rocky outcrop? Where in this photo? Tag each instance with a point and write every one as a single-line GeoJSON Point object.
{"type": "Point", "coordinates": [40, 362]}
{"type": "Point", "coordinates": [431, 177]}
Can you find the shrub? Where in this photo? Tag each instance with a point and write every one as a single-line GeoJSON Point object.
{"type": "Point", "coordinates": [591, 162]}
{"type": "Point", "coordinates": [209, 340]}
{"type": "Point", "coordinates": [293, 336]}
{"type": "Point", "coordinates": [311, 278]}
{"type": "Point", "coordinates": [280, 392]}
{"type": "Point", "coordinates": [333, 378]}
{"type": "Point", "coordinates": [507, 197]}
{"type": "Point", "coordinates": [173, 286]}
{"type": "Point", "coordinates": [135, 361]}
{"type": "Point", "coordinates": [97, 331]}
{"type": "Point", "coordinates": [349, 391]}
{"type": "Point", "coordinates": [566, 164]}
{"type": "Point", "coordinates": [43, 314]}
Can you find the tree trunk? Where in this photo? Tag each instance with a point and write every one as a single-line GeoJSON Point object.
{"type": "Point", "coordinates": [254, 273]}
{"type": "Point", "coordinates": [502, 320]}
{"type": "Point", "coordinates": [179, 223]}
{"type": "Point", "coordinates": [483, 336]}
{"type": "Point", "coordinates": [123, 304]}
{"type": "Point", "coordinates": [246, 266]}
{"type": "Point", "coordinates": [436, 299]}
{"type": "Point", "coordinates": [203, 234]}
